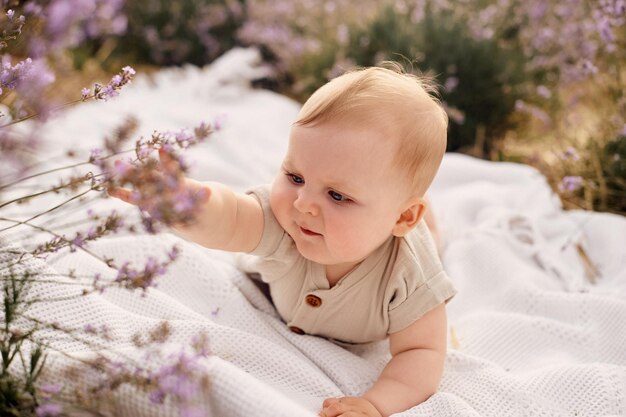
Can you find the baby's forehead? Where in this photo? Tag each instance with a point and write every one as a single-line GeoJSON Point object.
{"type": "Point", "coordinates": [387, 120]}
{"type": "Point", "coordinates": [346, 149]}
{"type": "Point", "coordinates": [366, 133]}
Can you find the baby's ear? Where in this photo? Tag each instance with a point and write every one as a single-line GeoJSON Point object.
{"type": "Point", "coordinates": [410, 217]}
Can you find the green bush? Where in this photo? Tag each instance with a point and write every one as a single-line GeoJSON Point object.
{"type": "Point", "coordinates": [165, 32]}
{"type": "Point", "coordinates": [614, 170]}
{"type": "Point", "coordinates": [490, 76]}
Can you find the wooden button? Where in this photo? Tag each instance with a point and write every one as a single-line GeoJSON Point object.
{"type": "Point", "coordinates": [296, 330]}
{"type": "Point", "coordinates": [313, 300]}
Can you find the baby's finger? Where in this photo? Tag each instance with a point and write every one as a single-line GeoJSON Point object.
{"type": "Point", "coordinates": [329, 401]}
{"type": "Point", "coordinates": [121, 193]}
{"type": "Point", "coordinates": [334, 408]}
{"type": "Point", "coordinates": [203, 194]}
{"type": "Point", "coordinates": [168, 163]}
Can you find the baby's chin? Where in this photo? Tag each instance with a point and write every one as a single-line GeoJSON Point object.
{"type": "Point", "coordinates": [325, 259]}
{"type": "Point", "coordinates": [310, 254]}
{"type": "Point", "coordinates": [314, 254]}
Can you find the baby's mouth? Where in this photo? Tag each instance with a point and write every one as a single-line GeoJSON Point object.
{"type": "Point", "coordinates": [309, 232]}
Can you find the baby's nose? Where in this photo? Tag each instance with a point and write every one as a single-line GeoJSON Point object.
{"type": "Point", "coordinates": [305, 204]}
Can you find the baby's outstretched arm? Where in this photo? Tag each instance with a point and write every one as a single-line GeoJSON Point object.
{"type": "Point", "coordinates": [411, 376]}
{"type": "Point", "coordinates": [222, 218]}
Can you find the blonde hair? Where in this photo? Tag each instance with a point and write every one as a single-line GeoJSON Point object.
{"type": "Point", "coordinates": [401, 104]}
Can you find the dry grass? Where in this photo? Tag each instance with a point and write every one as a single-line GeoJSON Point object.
{"type": "Point", "coordinates": [583, 124]}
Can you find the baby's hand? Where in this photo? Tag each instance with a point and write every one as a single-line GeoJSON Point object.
{"type": "Point", "coordinates": [348, 406]}
{"type": "Point", "coordinates": [161, 191]}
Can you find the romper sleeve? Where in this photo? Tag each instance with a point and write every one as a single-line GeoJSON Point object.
{"type": "Point", "coordinates": [273, 233]}
{"type": "Point", "coordinates": [421, 283]}
{"type": "Point", "coordinates": [275, 252]}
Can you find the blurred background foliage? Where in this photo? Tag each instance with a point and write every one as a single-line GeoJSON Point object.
{"type": "Point", "coordinates": [165, 32]}
{"type": "Point", "coordinates": [481, 80]}
{"type": "Point", "coordinates": [533, 81]}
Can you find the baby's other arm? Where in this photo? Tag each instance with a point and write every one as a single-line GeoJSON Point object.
{"type": "Point", "coordinates": [222, 220]}
{"type": "Point", "coordinates": [415, 369]}
{"type": "Point", "coordinates": [411, 376]}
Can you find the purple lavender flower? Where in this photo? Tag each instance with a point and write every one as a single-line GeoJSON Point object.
{"type": "Point", "coordinates": [179, 385]}
{"type": "Point", "coordinates": [122, 271]}
{"type": "Point", "coordinates": [538, 10]}
{"type": "Point", "coordinates": [135, 196]}
{"type": "Point", "coordinates": [33, 8]}
{"type": "Point", "coordinates": [143, 152]}
{"type": "Point", "coordinates": [48, 410]}
{"type": "Point", "coordinates": [51, 389]}
{"type": "Point", "coordinates": [128, 71]}
{"type": "Point", "coordinates": [173, 253]}
{"type": "Point", "coordinates": [167, 147]}
{"type": "Point", "coordinates": [92, 233]}
{"type": "Point", "coordinates": [170, 181]}
{"type": "Point", "coordinates": [10, 14]}
{"type": "Point", "coordinates": [450, 84]}
{"type": "Point", "coordinates": [570, 183]}
{"type": "Point", "coordinates": [89, 328]}
{"type": "Point", "coordinates": [183, 138]}
{"type": "Point", "coordinates": [570, 153]}
{"type": "Point", "coordinates": [180, 378]}
{"type": "Point", "coordinates": [157, 397]}
{"type": "Point", "coordinates": [144, 278]}
{"type": "Point", "coordinates": [522, 106]}
{"type": "Point", "coordinates": [122, 168]}
{"type": "Point", "coordinates": [200, 344]}
{"type": "Point", "coordinates": [151, 266]}
{"type": "Point", "coordinates": [67, 24]}
{"type": "Point", "coordinates": [184, 203]}
{"type": "Point", "coordinates": [192, 411]}
{"type": "Point", "coordinates": [108, 92]}
{"type": "Point", "coordinates": [39, 76]}
{"type": "Point", "coordinates": [116, 81]}
{"type": "Point", "coordinates": [343, 34]}
{"type": "Point", "coordinates": [29, 78]}
{"type": "Point", "coordinates": [11, 75]}
{"type": "Point", "coordinates": [95, 154]}
{"type": "Point", "coordinates": [544, 91]}
{"type": "Point", "coordinates": [84, 93]}
{"type": "Point", "coordinates": [604, 28]}
{"type": "Point", "coordinates": [219, 120]}
{"type": "Point", "coordinates": [202, 131]}
{"type": "Point", "coordinates": [78, 241]}
{"type": "Point", "coordinates": [589, 68]}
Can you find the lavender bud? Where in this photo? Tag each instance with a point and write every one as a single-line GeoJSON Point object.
{"type": "Point", "coordinates": [570, 183]}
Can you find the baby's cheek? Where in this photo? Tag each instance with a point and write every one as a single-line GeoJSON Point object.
{"type": "Point", "coordinates": [350, 241]}
{"type": "Point", "coordinates": [279, 201]}
{"type": "Point", "coordinates": [362, 238]}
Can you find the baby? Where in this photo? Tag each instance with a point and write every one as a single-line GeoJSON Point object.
{"type": "Point", "coordinates": [339, 235]}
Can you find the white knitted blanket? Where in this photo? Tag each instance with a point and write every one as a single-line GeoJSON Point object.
{"type": "Point", "coordinates": [531, 334]}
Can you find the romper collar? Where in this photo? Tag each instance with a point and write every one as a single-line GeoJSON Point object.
{"type": "Point", "coordinates": [317, 272]}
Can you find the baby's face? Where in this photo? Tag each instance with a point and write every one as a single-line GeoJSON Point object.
{"type": "Point", "coordinates": [338, 193]}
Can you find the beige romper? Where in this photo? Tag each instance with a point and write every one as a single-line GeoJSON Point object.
{"type": "Point", "coordinates": [393, 287]}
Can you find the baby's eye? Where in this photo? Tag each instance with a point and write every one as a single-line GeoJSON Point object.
{"type": "Point", "coordinates": [337, 197]}
{"type": "Point", "coordinates": [295, 179]}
